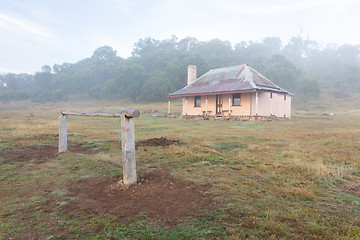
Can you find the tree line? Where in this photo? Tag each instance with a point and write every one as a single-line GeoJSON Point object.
{"type": "Point", "coordinates": [159, 67]}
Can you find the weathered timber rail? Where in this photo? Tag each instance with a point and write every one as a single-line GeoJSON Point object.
{"type": "Point", "coordinates": [128, 113]}
{"type": "Point", "coordinates": [127, 137]}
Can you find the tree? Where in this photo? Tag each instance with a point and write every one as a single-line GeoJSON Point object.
{"type": "Point", "coordinates": [43, 80]}
{"type": "Point", "coordinates": [187, 43]}
{"type": "Point", "coordinates": [144, 46]}
{"type": "Point", "coordinates": [156, 87]}
{"type": "Point", "coordinates": [214, 48]}
{"type": "Point", "coordinates": [46, 68]}
{"type": "Point", "coordinates": [255, 53]}
{"type": "Point", "coordinates": [168, 43]}
{"type": "Point", "coordinates": [350, 77]}
{"type": "Point", "coordinates": [158, 67]}
{"type": "Point", "coordinates": [61, 68]}
{"type": "Point", "coordinates": [309, 88]}
{"type": "Point", "coordinates": [349, 54]}
{"type": "Point", "coordinates": [129, 80]}
{"type": "Point", "coordinates": [273, 44]}
{"type": "Point", "coordinates": [283, 72]}
{"type": "Point", "coordinates": [104, 53]}
{"type": "Point", "coordinates": [300, 52]}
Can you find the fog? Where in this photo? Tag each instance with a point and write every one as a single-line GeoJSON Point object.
{"type": "Point", "coordinates": [140, 50]}
{"type": "Point", "coordinates": [35, 33]}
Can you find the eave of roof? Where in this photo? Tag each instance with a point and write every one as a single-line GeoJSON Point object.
{"type": "Point", "coordinates": [210, 93]}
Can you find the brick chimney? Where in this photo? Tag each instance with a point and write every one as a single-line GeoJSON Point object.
{"type": "Point", "coordinates": [191, 74]}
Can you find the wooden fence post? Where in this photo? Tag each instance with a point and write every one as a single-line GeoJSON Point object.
{"type": "Point", "coordinates": [128, 149]}
{"type": "Point", "coordinates": [169, 103]}
{"type": "Point", "coordinates": [62, 133]}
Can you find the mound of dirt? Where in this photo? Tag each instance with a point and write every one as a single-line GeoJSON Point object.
{"type": "Point", "coordinates": [40, 154]}
{"type": "Point", "coordinates": [156, 142]}
{"type": "Point", "coordinates": [157, 194]}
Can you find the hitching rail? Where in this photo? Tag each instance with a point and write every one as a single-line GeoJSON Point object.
{"type": "Point", "coordinates": [127, 137]}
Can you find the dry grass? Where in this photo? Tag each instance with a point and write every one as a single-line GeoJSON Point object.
{"type": "Point", "coordinates": [293, 179]}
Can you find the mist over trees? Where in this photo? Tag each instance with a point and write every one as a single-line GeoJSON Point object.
{"type": "Point", "coordinates": [159, 67]}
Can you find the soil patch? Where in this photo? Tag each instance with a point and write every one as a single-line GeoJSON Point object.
{"type": "Point", "coordinates": [165, 200]}
{"type": "Point", "coordinates": [40, 154]}
{"type": "Point", "coordinates": [150, 111]}
{"type": "Point", "coordinates": [352, 187]}
{"type": "Point", "coordinates": [156, 142]}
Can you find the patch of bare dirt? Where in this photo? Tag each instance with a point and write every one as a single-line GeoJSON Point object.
{"type": "Point", "coordinates": [150, 111]}
{"type": "Point", "coordinates": [157, 194]}
{"type": "Point", "coordinates": [352, 187]}
{"type": "Point", "coordinates": [157, 142]}
{"type": "Point", "coordinates": [45, 136]}
{"type": "Point", "coordinates": [40, 154]}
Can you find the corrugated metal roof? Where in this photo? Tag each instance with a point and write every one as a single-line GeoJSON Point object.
{"type": "Point", "coordinates": [229, 79]}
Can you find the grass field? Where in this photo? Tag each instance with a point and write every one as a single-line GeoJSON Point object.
{"type": "Point", "coordinates": [284, 179]}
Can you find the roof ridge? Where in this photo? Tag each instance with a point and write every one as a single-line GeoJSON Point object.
{"type": "Point", "coordinates": [235, 66]}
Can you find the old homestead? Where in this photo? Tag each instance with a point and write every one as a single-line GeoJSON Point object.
{"type": "Point", "coordinates": [232, 91]}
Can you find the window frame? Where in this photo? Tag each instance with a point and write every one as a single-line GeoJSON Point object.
{"type": "Point", "coordinates": [199, 98]}
{"type": "Point", "coordinates": [233, 99]}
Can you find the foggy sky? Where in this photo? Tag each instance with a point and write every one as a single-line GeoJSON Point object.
{"type": "Point", "coordinates": [37, 32]}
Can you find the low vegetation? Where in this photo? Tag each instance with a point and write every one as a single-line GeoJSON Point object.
{"type": "Point", "coordinates": [284, 179]}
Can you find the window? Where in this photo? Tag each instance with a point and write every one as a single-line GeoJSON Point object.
{"type": "Point", "coordinates": [197, 102]}
{"type": "Point", "coordinates": [236, 99]}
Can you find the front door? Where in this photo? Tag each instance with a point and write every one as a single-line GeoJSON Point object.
{"type": "Point", "coordinates": [218, 105]}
